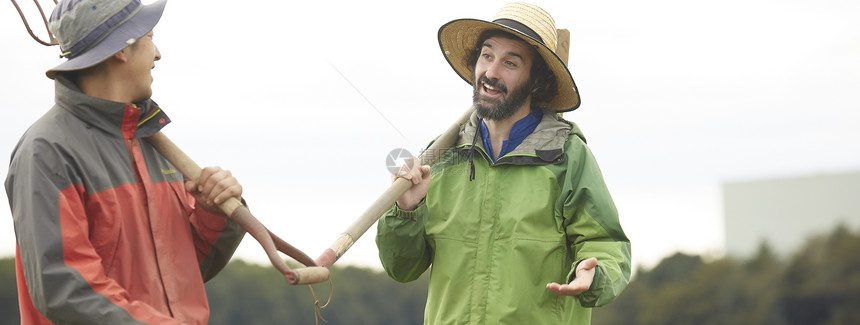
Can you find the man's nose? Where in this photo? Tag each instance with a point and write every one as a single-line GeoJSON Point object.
{"type": "Point", "coordinates": [493, 70]}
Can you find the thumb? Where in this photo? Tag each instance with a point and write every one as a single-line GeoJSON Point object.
{"type": "Point", "coordinates": [191, 186]}
{"type": "Point", "coordinates": [425, 170]}
{"type": "Point", "coordinates": [587, 264]}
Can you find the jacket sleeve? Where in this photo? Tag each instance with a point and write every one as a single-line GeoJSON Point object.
{"type": "Point", "coordinates": [216, 239]}
{"type": "Point", "coordinates": [61, 269]}
{"type": "Point", "coordinates": [593, 228]}
{"type": "Point", "coordinates": [403, 250]}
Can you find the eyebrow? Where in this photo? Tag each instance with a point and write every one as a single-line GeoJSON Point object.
{"type": "Point", "coordinates": [514, 54]}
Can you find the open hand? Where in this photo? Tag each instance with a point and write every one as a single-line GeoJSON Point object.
{"type": "Point", "coordinates": [584, 276]}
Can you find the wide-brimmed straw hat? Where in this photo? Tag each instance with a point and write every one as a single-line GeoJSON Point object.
{"type": "Point", "coordinates": [533, 25]}
{"type": "Point", "coordinates": [90, 31]}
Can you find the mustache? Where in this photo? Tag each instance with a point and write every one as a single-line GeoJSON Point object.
{"type": "Point", "coordinates": [495, 83]}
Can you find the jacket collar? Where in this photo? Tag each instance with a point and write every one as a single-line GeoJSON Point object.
{"type": "Point", "coordinates": [108, 116]}
{"type": "Point", "coordinates": [543, 146]}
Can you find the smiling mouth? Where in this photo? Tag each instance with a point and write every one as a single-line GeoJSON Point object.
{"type": "Point", "coordinates": [489, 90]}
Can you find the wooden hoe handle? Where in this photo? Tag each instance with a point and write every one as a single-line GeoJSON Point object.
{"type": "Point", "coordinates": [242, 216]}
{"type": "Point", "coordinates": [394, 192]}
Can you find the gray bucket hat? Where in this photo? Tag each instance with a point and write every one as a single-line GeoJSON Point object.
{"type": "Point", "coordinates": [90, 31]}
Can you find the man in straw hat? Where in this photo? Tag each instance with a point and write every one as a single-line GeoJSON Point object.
{"type": "Point", "coordinates": [517, 221]}
{"type": "Point", "coordinates": [107, 232]}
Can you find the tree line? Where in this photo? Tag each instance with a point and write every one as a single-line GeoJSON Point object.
{"type": "Point", "coordinates": [819, 284]}
{"type": "Point", "coordinates": [247, 293]}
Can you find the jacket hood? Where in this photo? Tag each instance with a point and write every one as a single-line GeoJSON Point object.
{"type": "Point", "coordinates": [546, 142]}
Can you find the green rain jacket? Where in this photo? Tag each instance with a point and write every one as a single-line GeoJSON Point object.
{"type": "Point", "coordinates": [496, 241]}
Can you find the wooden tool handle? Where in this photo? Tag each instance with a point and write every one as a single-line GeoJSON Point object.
{"type": "Point", "coordinates": [310, 275]}
{"type": "Point", "coordinates": [394, 192]}
{"type": "Point", "coordinates": [238, 212]}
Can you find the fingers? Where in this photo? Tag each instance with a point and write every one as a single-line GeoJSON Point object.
{"type": "Point", "coordinates": [414, 171]}
{"type": "Point", "coordinates": [419, 174]}
{"type": "Point", "coordinates": [217, 185]}
{"type": "Point", "coordinates": [407, 171]}
{"type": "Point", "coordinates": [571, 289]}
{"type": "Point", "coordinates": [234, 190]}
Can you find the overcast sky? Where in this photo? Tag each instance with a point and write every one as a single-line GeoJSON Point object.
{"type": "Point", "coordinates": [302, 102]}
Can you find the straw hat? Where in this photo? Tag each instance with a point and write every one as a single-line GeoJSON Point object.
{"type": "Point", "coordinates": [531, 23]}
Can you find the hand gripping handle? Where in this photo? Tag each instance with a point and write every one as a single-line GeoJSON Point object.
{"type": "Point", "coordinates": [242, 216]}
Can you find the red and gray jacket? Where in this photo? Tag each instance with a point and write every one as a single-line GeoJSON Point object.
{"type": "Point", "coordinates": [106, 233]}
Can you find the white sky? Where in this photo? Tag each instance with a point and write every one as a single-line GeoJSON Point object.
{"type": "Point", "coordinates": [678, 97]}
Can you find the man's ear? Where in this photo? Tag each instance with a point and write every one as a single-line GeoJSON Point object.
{"type": "Point", "coordinates": [535, 82]}
{"type": "Point", "coordinates": [122, 56]}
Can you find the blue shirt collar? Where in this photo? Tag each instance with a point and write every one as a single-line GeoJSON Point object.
{"type": "Point", "coordinates": [519, 132]}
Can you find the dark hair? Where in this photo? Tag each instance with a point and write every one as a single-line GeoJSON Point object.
{"type": "Point", "coordinates": [542, 80]}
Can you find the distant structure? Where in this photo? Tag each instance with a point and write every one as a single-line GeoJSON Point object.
{"type": "Point", "coordinates": [785, 212]}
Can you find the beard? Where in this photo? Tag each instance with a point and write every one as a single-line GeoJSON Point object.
{"type": "Point", "coordinates": [502, 108]}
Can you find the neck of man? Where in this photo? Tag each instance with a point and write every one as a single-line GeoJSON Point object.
{"type": "Point", "coordinates": [103, 81]}
{"type": "Point", "coordinates": [500, 130]}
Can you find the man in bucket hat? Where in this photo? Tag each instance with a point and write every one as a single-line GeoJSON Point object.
{"type": "Point", "coordinates": [516, 220]}
{"type": "Point", "coordinates": [108, 232]}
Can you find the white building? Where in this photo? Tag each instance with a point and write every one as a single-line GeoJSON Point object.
{"type": "Point", "coordinates": [785, 212]}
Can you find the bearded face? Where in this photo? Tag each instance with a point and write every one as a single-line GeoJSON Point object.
{"type": "Point", "coordinates": [500, 107]}
{"type": "Point", "coordinates": [501, 78]}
